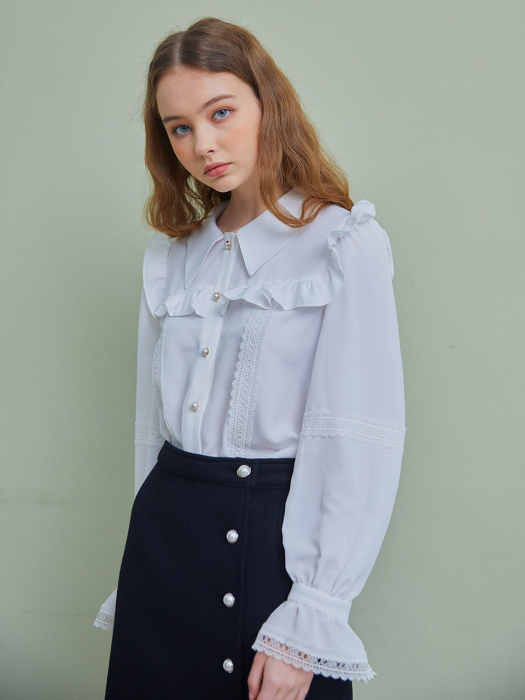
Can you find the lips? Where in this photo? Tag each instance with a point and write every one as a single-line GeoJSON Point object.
{"type": "Point", "coordinates": [215, 169]}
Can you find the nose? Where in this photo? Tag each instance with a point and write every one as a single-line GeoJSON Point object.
{"type": "Point", "coordinates": [204, 143]}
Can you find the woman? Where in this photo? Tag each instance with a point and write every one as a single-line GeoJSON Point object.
{"type": "Point", "coordinates": [270, 406]}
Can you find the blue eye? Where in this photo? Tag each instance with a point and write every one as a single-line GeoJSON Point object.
{"type": "Point", "coordinates": [223, 112]}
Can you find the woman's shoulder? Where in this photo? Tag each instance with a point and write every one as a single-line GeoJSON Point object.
{"type": "Point", "coordinates": [334, 214]}
{"type": "Point", "coordinates": [357, 232]}
{"type": "Point", "coordinates": [155, 267]}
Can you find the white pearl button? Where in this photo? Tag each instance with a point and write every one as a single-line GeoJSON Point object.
{"type": "Point", "coordinates": [227, 244]}
{"type": "Point", "coordinates": [229, 600]}
{"type": "Point", "coordinates": [215, 296]}
{"type": "Point", "coordinates": [205, 351]}
{"type": "Point", "coordinates": [227, 665]}
{"type": "Point", "coordinates": [232, 536]}
{"type": "Point", "coordinates": [194, 406]}
{"type": "Point", "coordinates": [244, 470]}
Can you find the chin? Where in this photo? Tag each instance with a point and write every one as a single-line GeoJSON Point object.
{"type": "Point", "coordinates": [223, 185]}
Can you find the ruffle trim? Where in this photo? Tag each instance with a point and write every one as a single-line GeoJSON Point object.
{"type": "Point", "coordinates": [291, 294]}
{"type": "Point", "coordinates": [154, 269]}
{"type": "Point", "coordinates": [184, 303]}
{"type": "Point", "coordinates": [308, 657]}
{"type": "Point", "coordinates": [104, 621]}
{"type": "Point", "coordinates": [316, 291]}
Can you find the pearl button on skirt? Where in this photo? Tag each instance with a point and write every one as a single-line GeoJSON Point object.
{"type": "Point", "coordinates": [203, 567]}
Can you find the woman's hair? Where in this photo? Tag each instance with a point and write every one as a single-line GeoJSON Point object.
{"type": "Point", "coordinates": [289, 150]}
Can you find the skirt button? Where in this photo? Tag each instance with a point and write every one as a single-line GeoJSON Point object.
{"type": "Point", "coordinates": [229, 600]}
{"type": "Point", "coordinates": [227, 665]}
{"type": "Point", "coordinates": [243, 471]}
{"type": "Point", "coordinates": [232, 536]}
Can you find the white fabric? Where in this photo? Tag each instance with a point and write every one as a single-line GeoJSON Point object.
{"type": "Point", "coordinates": [329, 604]}
{"type": "Point", "coordinates": [303, 361]}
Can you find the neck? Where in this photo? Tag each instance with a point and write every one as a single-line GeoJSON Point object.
{"type": "Point", "coordinates": [244, 206]}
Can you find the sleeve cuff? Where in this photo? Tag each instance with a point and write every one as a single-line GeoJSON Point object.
{"type": "Point", "coordinates": [310, 631]}
{"type": "Point", "coordinates": [106, 614]}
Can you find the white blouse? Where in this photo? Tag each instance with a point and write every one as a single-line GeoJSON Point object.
{"type": "Point", "coordinates": [280, 342]}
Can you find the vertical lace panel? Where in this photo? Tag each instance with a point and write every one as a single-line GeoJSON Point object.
{"type": "Point", "coordinates": [156, 369]}
{"type": "Point", "coordinates": [156, 378]}
{"type": "Point", "coordinates": [243, 395]}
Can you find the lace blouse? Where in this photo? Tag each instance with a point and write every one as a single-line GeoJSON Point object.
{"type": "Point", "coordinates": [280, 342]}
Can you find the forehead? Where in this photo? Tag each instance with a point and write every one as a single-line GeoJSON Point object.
{"type": "Point", "coordinates": [189, 88]}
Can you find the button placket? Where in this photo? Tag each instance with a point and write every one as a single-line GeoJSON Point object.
{"type": "Point", "coordinates": [200, 386]}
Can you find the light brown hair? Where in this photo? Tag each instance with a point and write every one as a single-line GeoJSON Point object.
{"type": "Point", "coordinates": [289, 150]}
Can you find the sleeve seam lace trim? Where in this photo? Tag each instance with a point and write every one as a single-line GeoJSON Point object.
{"type": "Point", "coordinates": [148, 435]}
{"type": "Point", "coordinates": [310, 658]}
{"type": "Point", "coordinates": [354, 427]}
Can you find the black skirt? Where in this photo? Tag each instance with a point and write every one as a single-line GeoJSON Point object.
{"type": "Point", "coordinates": [203, 568]}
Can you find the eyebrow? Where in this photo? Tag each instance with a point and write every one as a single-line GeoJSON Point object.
{"type": "Point", "coordinates": [206, 104]}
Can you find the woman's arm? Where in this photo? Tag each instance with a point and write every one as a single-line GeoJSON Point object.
{"type": "Point", "coordinates": [148, 439]}
{"type": "Point", "coordinates": [347, 465]}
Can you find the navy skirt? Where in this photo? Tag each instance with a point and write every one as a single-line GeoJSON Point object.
{"type": "Point", "coordinates": [203, 567]}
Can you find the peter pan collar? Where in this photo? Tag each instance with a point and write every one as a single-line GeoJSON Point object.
{"type": "Point", "coordinates": [259, 240]}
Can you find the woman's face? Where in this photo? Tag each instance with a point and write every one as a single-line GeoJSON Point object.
{"type": "Point", "coordinates": [211, 118]}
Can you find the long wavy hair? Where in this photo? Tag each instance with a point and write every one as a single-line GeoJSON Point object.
{"type": "Point", "coordinates": [289, 150]}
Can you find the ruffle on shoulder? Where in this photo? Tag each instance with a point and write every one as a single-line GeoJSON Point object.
{"type": "Point", "coordinates": [307, 291]}
{"type": "Point", "coordinates": [154, 271]}
{"type": "Point", "coordinates": [155, 275]}
{"type": "Point", "coordinates": [316, 291]}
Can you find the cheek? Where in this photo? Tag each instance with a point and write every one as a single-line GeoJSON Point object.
{"type": "Point", "coordinates": [244, 140]}
{"type": "Point", "coordinates": [181, 150]}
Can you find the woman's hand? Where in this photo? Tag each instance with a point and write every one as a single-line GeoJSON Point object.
{"type": "Point", "coordinates": [280, 681]}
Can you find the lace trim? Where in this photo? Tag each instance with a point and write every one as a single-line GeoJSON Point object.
{"type": "Point", "coordinates": [348, 425]}
{"type": "Point", "coordinates": [156, 377]}
{"type": "Point", "coordinates": [241, 411]}
{"type": "Point", "coordinates": [148, 435]}
{"type": "Point", "coordinates": [158, 352]}
{"type": "Point", "coordinates": [311, 658]}
{"type": "Point", "coordinates": [104, 620]}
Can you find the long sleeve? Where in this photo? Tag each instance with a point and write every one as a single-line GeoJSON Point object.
{"type": "Point", "coordinates": [148, 437]}
{"type": "Point", "coordinates": [150, 429]}
{"type": "Point", "coordinates": [347, 465]}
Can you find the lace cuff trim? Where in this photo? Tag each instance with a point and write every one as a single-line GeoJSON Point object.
{"type": "Point", "coordinates": [104, 620]}
{"type": "Point", "coordinates": [349, 425]}
{"type": "Point", "coordinates": [148, 435]}
{"type": "Point", "coordinates": [310, 658]}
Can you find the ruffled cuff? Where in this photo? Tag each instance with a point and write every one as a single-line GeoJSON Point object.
{"type": "Point", "coordinates": [315, 636]}
{"type": "Point", "coordinates": [106, 614]}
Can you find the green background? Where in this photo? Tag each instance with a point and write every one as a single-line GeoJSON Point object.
{"type": "Point", "coordinates": [423, 104]}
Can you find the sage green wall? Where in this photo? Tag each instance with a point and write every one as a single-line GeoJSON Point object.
{"type": "Point", "coordinates": [423, 104]}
